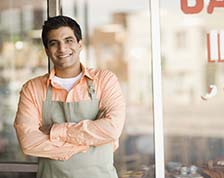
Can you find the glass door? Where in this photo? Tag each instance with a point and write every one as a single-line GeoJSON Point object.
{"type": "Point", "coordinates": [192, 82]}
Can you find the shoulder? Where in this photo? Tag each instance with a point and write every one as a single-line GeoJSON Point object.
{"type": "Point", "coordinates": [101, 74]}
{"type": "Point", "coordinates": [104, 79]}
{"type": "Point", "coordinates": [36, 83]}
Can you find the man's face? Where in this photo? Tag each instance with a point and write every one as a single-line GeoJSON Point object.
{"type": "Point", "coordinates": [63, 48]}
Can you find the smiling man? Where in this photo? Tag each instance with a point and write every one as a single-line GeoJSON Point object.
{"type": "Point", "coordinates": [71, 118]}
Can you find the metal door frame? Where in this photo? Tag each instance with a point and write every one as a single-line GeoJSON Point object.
{"type": "Point", "coordinates": [157, 89]}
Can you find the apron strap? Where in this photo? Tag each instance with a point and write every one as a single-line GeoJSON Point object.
{"type": "Point", "coordinates": [91, 89]}
{"type": "Point", "coordinates": [49, 93]}
{"type": "Point", "coordinates": [47, 104]}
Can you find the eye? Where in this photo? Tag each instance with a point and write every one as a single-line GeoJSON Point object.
{"type": "Point", "coordinates": [52, 43]}
{"type": "Point", "coordinates": [69, 41]}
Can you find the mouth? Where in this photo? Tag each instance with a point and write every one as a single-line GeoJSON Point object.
{"type": "Point", "coordinates": [64, 56]}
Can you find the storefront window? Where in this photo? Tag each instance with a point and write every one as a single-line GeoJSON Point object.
{"type": "Point", "coordinates": [21, 58]}
{"type": "Point", "coordinates": [117, 37]}
{"type": "Point", "coordinates": [192, 87]}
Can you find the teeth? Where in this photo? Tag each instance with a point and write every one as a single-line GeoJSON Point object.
{"type": "Point", "coordinates": [65, 56]}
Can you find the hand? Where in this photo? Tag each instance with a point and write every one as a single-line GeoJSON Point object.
{"type": "Point", "coordinates": [45, 129]}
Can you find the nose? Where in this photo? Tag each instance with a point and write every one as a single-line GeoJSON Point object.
{"type": "Point", "coordinates": [62, 47]}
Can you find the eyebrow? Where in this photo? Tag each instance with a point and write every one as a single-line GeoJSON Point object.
{"type": "Point", "coordinates": [70, 37]}
{"type": "Point", "coordinates": [66, 38]}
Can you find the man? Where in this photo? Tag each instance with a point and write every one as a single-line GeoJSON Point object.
{"type": "Point", "coordinates": [71, 118]}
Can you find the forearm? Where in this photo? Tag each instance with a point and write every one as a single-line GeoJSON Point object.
{"type": "Point", "coordinates": [101, 131]}
{"type": "Point", "coordinates": [36, 143]}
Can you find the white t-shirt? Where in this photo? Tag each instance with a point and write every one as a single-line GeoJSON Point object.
{"type": "Point", "coordinates": [67, 83]}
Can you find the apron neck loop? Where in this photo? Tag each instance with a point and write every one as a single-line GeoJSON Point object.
{"type": "Point", "coordinates": [49, 93]}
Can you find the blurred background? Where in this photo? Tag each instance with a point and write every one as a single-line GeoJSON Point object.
{"type": "Point", "coordinates": [117, 37]}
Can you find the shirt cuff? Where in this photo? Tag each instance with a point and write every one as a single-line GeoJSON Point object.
{"type": "Point", "coordinates": [58, 134]}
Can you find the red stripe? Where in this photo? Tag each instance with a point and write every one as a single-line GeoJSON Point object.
{"type": "Point", "coordinates": [209, 49]}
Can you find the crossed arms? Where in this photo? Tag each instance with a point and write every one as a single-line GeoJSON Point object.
{"type": "Point", "coordinates": [67, 139]}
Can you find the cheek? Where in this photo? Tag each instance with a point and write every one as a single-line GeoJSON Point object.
{"type": "Point", "coordinates": [52, 53]}
{"type": "Point", "coordinates": [77, 48]}
{"type": "Point", "coordinates": [49, 52]}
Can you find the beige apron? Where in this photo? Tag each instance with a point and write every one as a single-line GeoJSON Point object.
{"type": "Point", "coordinates": [97, 162]}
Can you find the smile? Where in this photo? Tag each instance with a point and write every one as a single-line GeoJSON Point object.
{"type": "Point", "coordinates": [64, 55]}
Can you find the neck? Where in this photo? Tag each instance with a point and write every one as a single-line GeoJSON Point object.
{"type": "Point", "coordinates": [69, 72]}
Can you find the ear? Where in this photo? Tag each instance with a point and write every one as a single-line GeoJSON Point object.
{"type": "Point", "coordinates": [80, 45]}
{"type": "Point", "coordinates": [47, 51]}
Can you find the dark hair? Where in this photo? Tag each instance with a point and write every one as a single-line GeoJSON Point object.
{"type": "Point", "coordinates": [60, 21]}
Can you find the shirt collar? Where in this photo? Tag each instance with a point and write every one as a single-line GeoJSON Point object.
{"type": "Point", "coordinates": [86, 72]}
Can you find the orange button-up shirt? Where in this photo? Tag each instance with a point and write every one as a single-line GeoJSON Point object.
{"type": "Point", "coordinates": [67, 139]}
